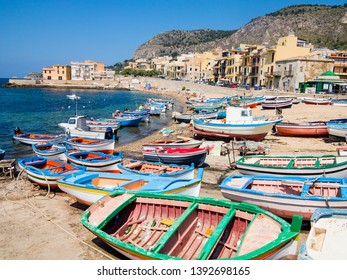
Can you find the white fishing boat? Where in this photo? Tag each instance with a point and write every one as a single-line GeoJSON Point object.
{"type": "Point", "coordinates": [77, 127]}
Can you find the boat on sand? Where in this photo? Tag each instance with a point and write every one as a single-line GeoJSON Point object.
{"type": "Point", "coordinates": [88, 187]}
{"type": "Point", "coordinates": [286, 196]}
{"type": "Point", "coordinates": [142, 225]}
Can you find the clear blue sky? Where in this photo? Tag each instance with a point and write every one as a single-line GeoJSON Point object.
{"type": "Point", "coordinates": [41, 33]}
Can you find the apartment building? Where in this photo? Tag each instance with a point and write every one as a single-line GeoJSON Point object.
{"type": "Point", "coordinates": [250, 65]}
{"type": "Point", "coordinates": [233, 66]}
{"type": "Point", "coordinates": [57, 73]}
{"type": "Point", "coordinates": [86, 70]}
{"type": "Point", "coordinates": [296, 70]}
{"type": "Point", "coordinates": [287, 47]}
{"type": "Point", "coordinates": [340, 63]}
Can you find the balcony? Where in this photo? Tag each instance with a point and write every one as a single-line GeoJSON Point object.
{"type": "Point", "coordinates": [288, 73]}
{"type": "Point", "coordinates": [268, 74]}
{"type": "Point", "coordinates": [277, 74]}
{"type": "Point", "coordinates": [252, 74]}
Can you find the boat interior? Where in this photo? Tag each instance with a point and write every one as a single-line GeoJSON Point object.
{"type": "Point", "coordinates": [147, 167]}
{"type": "Point", "coordinates": [183, 229]}
{"type": "Point", "coordinates": [293, 187]}
{"type": "Point", "coordinates": [293, 162]}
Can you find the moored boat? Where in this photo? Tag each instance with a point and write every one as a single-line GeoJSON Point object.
{"type": "Point", "coordinates": [50, 150]}
{"type": "Point", "coordinates": [90, 144]}
{"type": "Point", "coordinates": [277, 103]}
{"type": "Point", "coordinates": [326, 239]}
{"type": "Point", "coordinates": [238, 124]}
{"type": "Point", "coordinates": [308, 166]}
{"type": "Point", "coordinates": [123, 121]}
{"type": "Point", "coordinates": [95, 161]}
{"type": "Point", "coordinates": [46, 172]}
{"type": "Point", "coordinates": [196, 156]}
{"type": "Point", "coordinates": [286, 196]}
{"type": "Point", "coordinates": [77, 127]}
{"type": "Point", "coordinates": [173, 143]}
{"type": "Point", "coordinates": [302, 129]}
{"type": "Point", "coordinates": [142, 167]}
{"type": "Point", "coordinates": [186, 228]}
{"type": "Point", "coordinates": [32, 138]}
{"type": "Point", "coordinates": [316, 101]}
{"type": "Point", "coordinates": [89, 187]}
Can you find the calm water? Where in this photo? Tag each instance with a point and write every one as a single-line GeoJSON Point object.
{"type": "Point", "coordinates": [39, 110]}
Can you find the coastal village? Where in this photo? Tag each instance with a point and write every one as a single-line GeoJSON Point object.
{"type": "Point", "coordinates": [291, 66]}
{"type": "Point", "coordinates": [236, 83]}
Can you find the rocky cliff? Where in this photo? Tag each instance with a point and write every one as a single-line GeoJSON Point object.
{"type": "Point", "coordinates": [321, 25]}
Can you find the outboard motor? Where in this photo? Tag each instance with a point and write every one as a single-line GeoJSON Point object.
{"type": "Point", "coordinates": [17, 131]}
{"type": "Point", "coordinates": [109, 133]}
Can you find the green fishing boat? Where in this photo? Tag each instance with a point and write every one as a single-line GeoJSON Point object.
{"type": "Point", "coordinates": [142, 225]}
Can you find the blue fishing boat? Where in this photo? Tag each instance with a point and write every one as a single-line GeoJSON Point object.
{"type": "Point", "coordinates": [123, 120]}
{"type": "Point", "coordinates": [286, 196]}
{"type": "Point", "coordinates": [95, 161]}
{"type": "Point", "coordinates": [46, 172]}
{"type": "Point", "coordinates": [88, 187]}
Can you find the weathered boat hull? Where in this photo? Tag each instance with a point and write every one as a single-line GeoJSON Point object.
{"type": "Point", "coordinates": [180, 227]}
{"type": "Point", "coordinates": [309, 129]}
{"type": "Point", "coordinates": [91, 144]}
{"type": "Point", "coordinates": [176, 156]}
{"type": "Point", "coordinates": [89, 187]}
{"type": "Point", "coordinates": [308, 166]}
{"type": "Point", "coordinates": [287, 196]}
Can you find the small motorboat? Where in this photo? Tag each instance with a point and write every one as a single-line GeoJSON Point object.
{"type": "Point", "coordinates": [186, 156]}
{"type": "Point", "coordinates": [88, 187]}
{"type": "Point", "coordinates": [95, 161]}
{"type": "Point", "coordinates": [46, 172]}
{"type": "Point", "coordinates": [152, 226]}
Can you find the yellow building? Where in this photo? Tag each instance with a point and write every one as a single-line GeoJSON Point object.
{"type": "Point", "coordinates": [340, 63]}
{"type": "Point", "coordinates": [287, 47]}
{"type": "Point", "coordinates": [233, 66]}
{"type": "Point", "coordinates": [57, 73]}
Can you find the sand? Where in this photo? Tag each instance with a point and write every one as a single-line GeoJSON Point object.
{"type": "Point", "coordinates": [42, 225]}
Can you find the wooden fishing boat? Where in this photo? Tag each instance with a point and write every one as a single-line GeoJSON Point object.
{"type": "Point", "coordinates": [32, 138]}
{"type": "Point", "coordinates": [239, 124]}
{"type": "Point", "coordinates": [173, 143]}
{"type": "Point", "coordinates": [286, 196]}
{"type": "Point", "coordinates": [277, 103]}
{"type": "Point", "coordinates": [339, 102]}
{"type": "Point", "coordinates": [199, 106]}
{"type": "Point", "coordinates": [142, 167]}
{"type": "Point", "coordinates": [95, 161]}
{"type": "Point", "coordinates": [101, 126]}
{"type": "Point", "coordinates": [89, 187]}
{"type": "Point", "coordinates": [308, 166]}
{"type": "Point", "coordinates": [144, 114]}
{"type": "Point", "coordinates": [123, 121]}
{"type": "Point", "coordinates": [326, 239]}
{"type": "Point", "coordinates": [46, 172]}
{"type": "Point", "coordinates": [337, 130]}
{"type": "Point", "coordinates": [316, 101]}
{"type": "Point", "coordinates": [302, 129]}
{"type": "Point", "coordinates": [187, 118]}
{"type": "Point", "coordinates": [183, 156]}
{"type": "Point", "coordinates": [50, 150]}
{"type": "Point", "coordinates": [90, 144]}
{"type": "Point", "coordinates": [341, 151]}
{"type": "Point", "coordinates": [77, 127]}
{"type": "Point", "coordinates": [169, 227]}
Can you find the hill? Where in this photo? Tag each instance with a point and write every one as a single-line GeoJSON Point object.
{"type": "Point", "coordinates": [321, 25]}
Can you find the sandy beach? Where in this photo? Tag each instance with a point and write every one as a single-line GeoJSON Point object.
{"type": "Point", "coordinates": [43, 225]}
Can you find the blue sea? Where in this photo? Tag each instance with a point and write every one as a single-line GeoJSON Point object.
{"type": "Point", "coordinates": [39, 110]}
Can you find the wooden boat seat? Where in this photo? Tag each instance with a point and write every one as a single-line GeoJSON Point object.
{"type": "Point", "coordinates": [132, 165]}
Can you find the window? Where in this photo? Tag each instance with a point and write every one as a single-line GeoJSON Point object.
{"type": "Point", "coordinates": [60, 78]}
